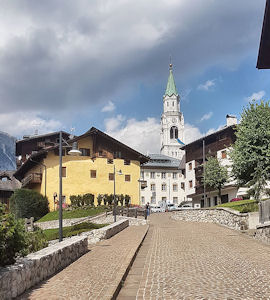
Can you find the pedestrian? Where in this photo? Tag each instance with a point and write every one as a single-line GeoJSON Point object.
{"type": "Point", "coordinates": [147, 206]}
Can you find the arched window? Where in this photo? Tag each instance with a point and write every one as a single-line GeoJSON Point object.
{"type": "Point", "coordinates": [174, 132]}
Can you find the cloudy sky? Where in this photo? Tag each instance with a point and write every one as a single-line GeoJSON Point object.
{"type": "Point", "coordinates": [75, 64]}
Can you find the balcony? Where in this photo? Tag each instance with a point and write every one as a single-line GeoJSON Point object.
{"type": "Point", "coordinates": [32, 178]}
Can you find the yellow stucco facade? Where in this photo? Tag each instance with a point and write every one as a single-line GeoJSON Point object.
{"type": "Point", "coordinates": [78, 179]}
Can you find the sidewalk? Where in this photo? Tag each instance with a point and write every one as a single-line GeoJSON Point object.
{"type": "Point", "coordinates": [97, 274]}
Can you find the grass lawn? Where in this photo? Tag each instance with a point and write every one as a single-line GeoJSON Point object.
{"type": "Point", "coordinates": [242, 206]}
{"type": "Point", "coordinates": [75, 213]}
{"type": "Point", "coordinates": [53, 234]}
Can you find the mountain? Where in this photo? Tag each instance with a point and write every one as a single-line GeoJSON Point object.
{"type": "Point", "coordinates": [7, 152]}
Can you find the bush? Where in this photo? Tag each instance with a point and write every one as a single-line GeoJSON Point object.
{"type": "Point", "coordinates": [26, 203]}
{"type": "Point", "coordinates": [121, 199]}
{"type": "Point", "coordinates": [13, 237]}
{"type": "Point", "coordinates": [110, 199]}
{"type": "Point", "coordinates": [127, 200]}
{"type": "Point", "coordinates": [99, 199]}
{"type": "Point", "coordinates": [89, 199]}
{"type": "Point", "coordinates": [36, 240]}
{"type": "Point", "coordinates": [105, 199]}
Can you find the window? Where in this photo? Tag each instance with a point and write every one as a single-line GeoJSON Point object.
{"type": "Point", "coordinates": [100, 153]}
{"type": "Point", "coordinates": [167, 103]}
{"type": "Point", "coordinates": [64, 172]}
{"type": "Point", "coordinates": [127, 162]}
{"type": "Point", "coordinates": [163, 199]}
{"type": "Point", "coordinates": [190, 184]}
{"type": "Point", "coordinates": [175, 200]}
{"type": "Point", "coordinates": [223, 154]}
{"type": "Point", "coordinates": [142, 174]}
{"type": "Point", "coordinates": [173, 103]}
{"type": "Point", "coordinates": [163, 175]}
{"type": "Point", "coordinates": [152, 175]}
{"type": "Point", "coordinates": [111, 176]}
{"type": "Point", "coordinates": [127, 177]}
{"type": "Point", "coordinates": [182, 185]}
{"type": "Point", "coordinates": [153, 200]}
{"type": "Point", "coordinates": [153, 187]}
{"type": "Point", "coordinates": [163, 187]}
{"type": "Point", "coordinates": [175, 187]}
{"type": "Point", "coordinates": [85, 151]}
{"type": "Point", "coordinates": [93, 173]}
{"type": "Point", "coordinates": [174, 175]}
{"type": "Point", "coordinates": [143, 200]}
{"type": "Point", "coordinates": [190, 166]}
{"type": "Point", "coordinates": [117, 154]}
{"type": "Point", "coordinates": [109, 161]}
{"type": "Point", "coordinates": [174, 132]}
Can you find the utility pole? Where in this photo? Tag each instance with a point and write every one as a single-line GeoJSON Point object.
{"type": "Point", "coordinates": [204, 173]}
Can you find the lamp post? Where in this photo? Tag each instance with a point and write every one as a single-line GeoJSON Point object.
{"type": "Point", "coordinates": [114, 199]}
{"type": "Point", "coordinates": [74, 152]}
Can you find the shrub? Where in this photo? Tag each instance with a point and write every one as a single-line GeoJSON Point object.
{"type": "Point", "coordinates": [99, 199]}
{"type": "Point", "coordinates": [127, 200]}
{"type": "Point", "coordinates": [73, 200]}
{"type": "Point", "coordinates": [89, 199]}
{"type": "Point", "coordinates": [13, 238]}
{"type": "Point", "coordinates": [110, 199]}
{"type": "Point", "coordinates": [36, 240]}
{"type": "Point", "coordinates": [121, 199]}
{"type": "Point", "coordinates": [26, 203]}
{"type": "Point", "coordinates": [105, 199]}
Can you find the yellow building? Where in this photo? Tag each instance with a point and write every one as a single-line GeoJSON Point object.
{"type": "Point", "coordinates": [92, 172]}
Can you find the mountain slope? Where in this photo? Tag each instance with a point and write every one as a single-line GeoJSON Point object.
{"type": "Point", "coordinates": [7, 152]}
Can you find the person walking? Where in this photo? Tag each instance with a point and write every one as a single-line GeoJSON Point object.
{"type": "Point", "coordinates": [147, 206]}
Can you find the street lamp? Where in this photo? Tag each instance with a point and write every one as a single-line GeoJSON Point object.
{"type": "Point", "coordinates": [75, 152]}
{"type": "Point", "coordinates": [114, 200]}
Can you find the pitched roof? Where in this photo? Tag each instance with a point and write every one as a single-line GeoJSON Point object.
{"type": "Point", "coordinates": [171, 87]}
{"type": "Point", "coordinates": [163, 161]}
{"type": "Point", "coordinates": [11, 183]}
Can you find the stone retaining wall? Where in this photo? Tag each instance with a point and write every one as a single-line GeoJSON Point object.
{"type": "Point", "coordinates": [106, 232]}
{"type": "Point", "coordinates": [262, 232]}
{"type": "Point", "coordinates": [35, 267]}
{"type": "Point", "coordinates": [223, 216]}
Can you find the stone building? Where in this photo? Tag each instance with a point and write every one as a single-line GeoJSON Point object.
{"type": "Point", "coordinates": [8, 184]}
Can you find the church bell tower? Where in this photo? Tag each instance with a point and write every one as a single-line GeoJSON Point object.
{"type": "Point", "coordinates": [172, 121]}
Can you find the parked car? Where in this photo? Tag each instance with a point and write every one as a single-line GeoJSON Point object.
{"type": "Point", "coordinates": [155, 209]}
{"type": "Point", "coordinates": [184, 207]}
{"type": "Point", "coordinates": [171, 206]}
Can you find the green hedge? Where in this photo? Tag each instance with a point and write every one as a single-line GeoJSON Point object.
{"type": "Point", "coordinates": [26, 203]}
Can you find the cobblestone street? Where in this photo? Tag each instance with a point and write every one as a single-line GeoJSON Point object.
{"type": "Point", "coordinates": [188, 260]}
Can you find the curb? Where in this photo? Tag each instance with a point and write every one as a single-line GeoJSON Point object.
{"type": "Point", "coordinates": [113, 292]}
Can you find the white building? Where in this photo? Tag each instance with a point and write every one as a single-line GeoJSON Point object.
{"type": "Point", "coordinates": [164, 174]}
{"type": "Point", "coordinates": [165, 180]}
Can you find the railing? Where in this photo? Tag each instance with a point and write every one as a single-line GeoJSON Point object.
{"type": "Point", "coordinates": [32, 178]}
{"type": "Point", "coordinates": [264, 211]}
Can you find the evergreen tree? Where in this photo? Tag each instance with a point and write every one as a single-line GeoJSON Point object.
{"type": "Point", "coordinates": [251, 151]}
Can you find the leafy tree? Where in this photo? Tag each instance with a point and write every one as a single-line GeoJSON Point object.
{"type": "Point", "coordinates": [99, 199]}
{"type": "Point", "coordinates": [26, 203]}
{"type": "Point", "coordinates": [251, 151]}
{"type": "Point", "coordinates": [215, 175]}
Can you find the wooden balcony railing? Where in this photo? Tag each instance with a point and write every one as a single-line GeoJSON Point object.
{"type": "Point", "coordinates": [32, 178]}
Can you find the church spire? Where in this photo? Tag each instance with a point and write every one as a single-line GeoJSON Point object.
{"type": "Point", "coordinates": [171, 87]}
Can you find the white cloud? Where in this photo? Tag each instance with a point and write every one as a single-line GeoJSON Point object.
{"type": "Point", "coordinates": [191, 133]}
{"type": "Point", "coordinates": [206, 116]}
{"type": "Point", "coordinates": [18, 124]}
{"type": "Point", "coordinates": [144, 135]}
{"type": "Point", "coordinates": [207, 85]}
{"type": "Point", "coordinates": [109, 107]}
{"type": "Point", "coordinates": [256, 96]}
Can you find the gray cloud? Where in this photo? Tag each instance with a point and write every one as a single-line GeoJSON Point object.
{"type": "Point", "coordinates": [56, 54]}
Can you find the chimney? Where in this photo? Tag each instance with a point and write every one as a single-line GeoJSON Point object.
{"type": "Point", "coordinates": [231, 120]}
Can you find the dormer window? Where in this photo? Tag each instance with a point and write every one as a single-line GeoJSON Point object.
{"type": "Point", "coordinates": [4, 179]}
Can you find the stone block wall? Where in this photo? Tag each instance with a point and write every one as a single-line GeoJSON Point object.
{"type": "Point", "coordinates": [262, 232]}
{"type": "Point", "coordinates": [223, 216]}
{"type": "Point", "coordinates": [35, 267]}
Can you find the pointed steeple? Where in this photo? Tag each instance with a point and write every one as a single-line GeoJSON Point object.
{"type": "Point", "coordinates": [171, 87]}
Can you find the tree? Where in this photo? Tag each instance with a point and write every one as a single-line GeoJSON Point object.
{"type": "Point", "coordinates": [26, 203]}
{"type": "Point", "coordinates": [215, 175]}
{"type": "Point", "coordinates": [251, 151]}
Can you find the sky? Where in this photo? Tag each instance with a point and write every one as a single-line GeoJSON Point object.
{"type": "Point", "coordinates": [105, 63]}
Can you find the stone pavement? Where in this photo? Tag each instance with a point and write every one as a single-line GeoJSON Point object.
{"type": "Point", "coordinates": [188, 260]}
{"type": "Point", "coordinates": [95, 275]}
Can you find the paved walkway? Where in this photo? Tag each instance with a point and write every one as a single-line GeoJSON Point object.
{"type": "Point", "coordinates": [186, 260]}
{"type": "Point", "coordinates": [96, 274]}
